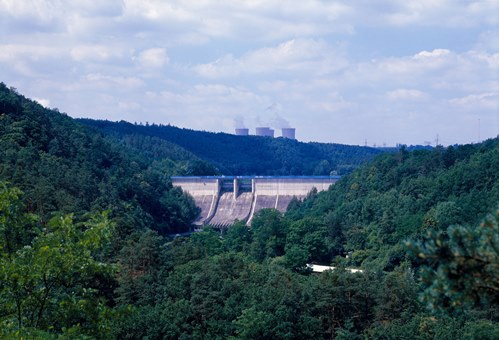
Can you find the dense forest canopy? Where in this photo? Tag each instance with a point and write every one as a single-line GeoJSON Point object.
{"type": "Point", "coordinates": [404, 195]}
{"type": "Point", "coordinates": [62, 166]}
{"type": "Point", "coordinates": [242, 155]}
{"type": "Point", "coordinates": [84, 251]}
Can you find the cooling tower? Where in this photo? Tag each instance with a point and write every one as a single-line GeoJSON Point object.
{"type": "Point", "coordinates": [262, 131]}
{"type": "Point", "coordinates": [242, 132]}
{"type": "Point", "coordinates": [288, 133]}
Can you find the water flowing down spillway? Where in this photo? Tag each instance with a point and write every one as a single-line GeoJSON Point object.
{"type": "Point", "coordinates": [230, 209]}
{"type": "Point", "coordinates": [206, 204]}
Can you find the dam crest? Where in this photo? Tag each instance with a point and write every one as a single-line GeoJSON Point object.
{"type": "Point", "coordinates": [225, 199]}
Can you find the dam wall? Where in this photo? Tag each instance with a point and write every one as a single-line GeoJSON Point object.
{"type": "Point", "coordinates": [198, 185]}
{"type": "Point", "coordinates": [294, 186]}
{"type": "Point", "coordinates": [225, 199]}
{"type": "Point", "coordinates": [204, 191]}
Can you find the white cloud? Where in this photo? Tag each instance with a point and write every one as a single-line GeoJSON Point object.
{"type": "Point", "coordinates": [43, 102]}
{"type": "Point", "coordinates": [406, 94]}
{"type": "Point", "coordinates": [439, 13]}
{"type": "Point", "coordinates": [488, 41]}
{"type": "Point", "coordinates": [94, 52]}
{"type": "Point", "coordinates": [108, 81]}
{"type": "Point", "coordinates": [333, 102]}
{"type": "Point", "coordinates": [293, 56]}
{"type": "Point", "coordinates": [423, 61]}
{"type": "Point", "coordinates": [216, 106]}
{"type": "Point", "coordinates": [255, 20]}
{"type": "Point", "coordinates": [432, 54]}
{"type": "Point", "coordinates": [487, 100]}
{"type": "Point", "coordinates": [14, 52]}
{"type": "Point", "coordinates": [491, 59]}
{"type": "Point", "coordinates": [105, 9]}
{"type": "Point", "coordinates": [203, 21]}
{"type": "Point", "coordinates": [34, 15]}
{"type": "Point", "coordinates": [153, 57]}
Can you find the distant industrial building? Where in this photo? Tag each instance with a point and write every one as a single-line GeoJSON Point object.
{"type": "Point", "coordinates": [265, 131]}
{"type": "Point", "coordinates": [242, 132]}
{"type": "Point", "coordinates": [261, 131]}
{"type": "Point", "coordinates": [288, 133]}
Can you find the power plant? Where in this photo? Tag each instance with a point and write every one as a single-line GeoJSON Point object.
{"type": "Point", "coordinates": [242, 132]}
{"type": "Point", "coordinates": [288, 133]}
{"type": "Point", "coordinates": [273, 121]}
{"type": "Point", "coordinates": [265, 131]}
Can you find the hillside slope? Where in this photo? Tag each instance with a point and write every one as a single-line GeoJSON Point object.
{"type": "Point", "coordinates": [399, 196]}
{"type": "Point", "coordinates": [63, 166]}
{"type": "Point", "coordinates": [247, 155]}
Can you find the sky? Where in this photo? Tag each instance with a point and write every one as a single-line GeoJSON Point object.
{"type": "Point", "coordinates": [375, 72]}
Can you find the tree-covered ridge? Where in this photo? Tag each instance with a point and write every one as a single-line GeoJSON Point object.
{"type": "Point", "coordinates": [403, 195]}
{"type": "Point", "coordinates": [62, 166]}
{"type": "Point", "coordinates": [245, 155]}
{"type": "Point", "coordinates": [172, 158]}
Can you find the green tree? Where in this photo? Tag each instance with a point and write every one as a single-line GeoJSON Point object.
{"type": "Point", "coordinates": [13, 222]}
{"type": "Point", "coordinates": [307, 240]}
{"type": "Point", "coordinates": [51, 283]}
{"type": "Point", "coordinates": [140, 261]}
{"type": "Point", "coordinates": [397, 296]}
{"type": "Point", "coordinates": [254, 324]}
{"type": "Point", "coordinates": [207, 242]}
{"type": "Point", "coordinates": [462, 265]}
{"type": "Point", "coordinates": [344, 299]}
{"type": "Point", "coordinates": [238, 237]}
{"type": "Point", "coordinates": [443, 215]}
{"type": "Point", "coordinates": [269, 234]}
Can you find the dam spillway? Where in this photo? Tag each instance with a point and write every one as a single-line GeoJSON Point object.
{"type": "Point", "coordinates": [225, 199]}
{"type": "Point", "coordinates": [230, 209]}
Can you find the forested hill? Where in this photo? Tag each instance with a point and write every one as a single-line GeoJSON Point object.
{"type": "Point", "coordinates": [369, 213]}
{"type": "Point", "coordinates": [243, 155]}
{"type": "Point", "coordinates": [63, 166]}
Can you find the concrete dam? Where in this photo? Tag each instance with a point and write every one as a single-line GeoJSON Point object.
{"type": "Point", "coordinates": [225, 199]}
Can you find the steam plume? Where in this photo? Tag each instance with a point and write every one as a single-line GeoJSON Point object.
{"type": "Point", "coordinates": [239, 122]}
{"type": "Point", "coordinates": [276, 120]}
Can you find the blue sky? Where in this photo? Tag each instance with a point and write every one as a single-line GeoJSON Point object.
{"type": "Point", "coordinates": [381, 71]}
